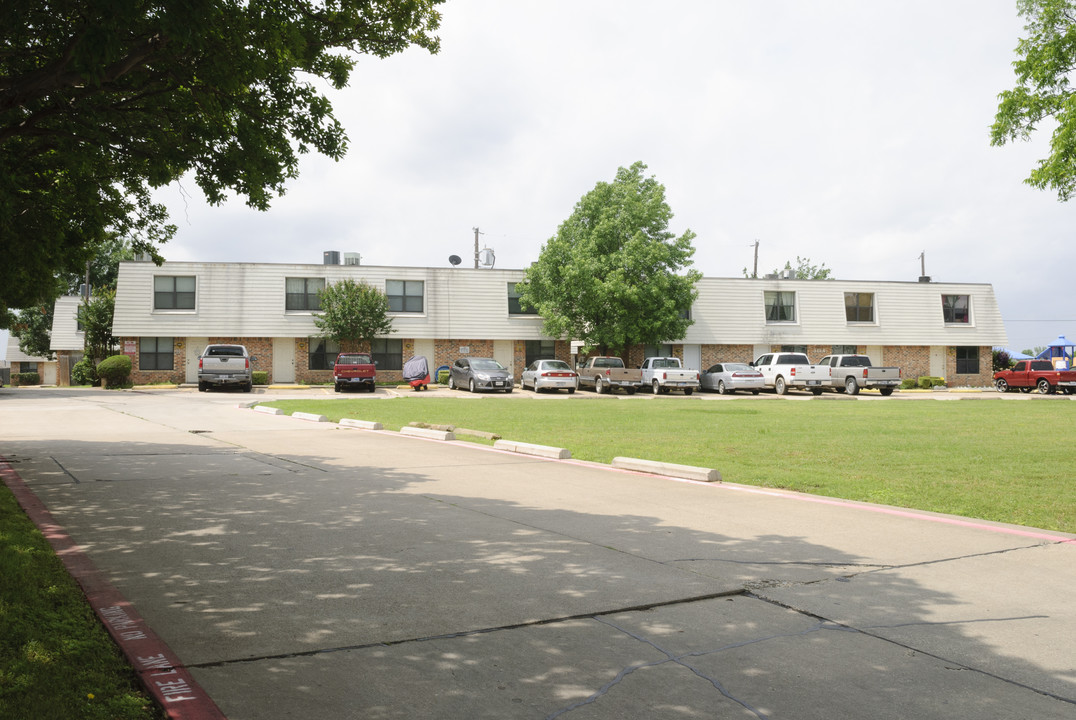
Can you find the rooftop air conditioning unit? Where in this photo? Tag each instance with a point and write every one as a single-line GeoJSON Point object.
{"type": "Point", "coordinates": [352, 258]}
{"type": "Point", "coordinates": [330, 257]}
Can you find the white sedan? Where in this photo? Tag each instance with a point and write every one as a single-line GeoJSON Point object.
{"type": "Point", "coordinates": [730, 377]}
{"type": "Point", "coordinates": [549, 375]}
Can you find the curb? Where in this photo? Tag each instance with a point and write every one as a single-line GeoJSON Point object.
{"type": "Point", "coordinates": [531, 449]}
{"type": "Point", "coordinates": [427, 433]}
{"type": "Point", "coordinates": [311, 417]}
{"type": "Point", "coordinates": [363, 424]}
{"type": "Point", "coordinates": [156, 666]}
{"type": "Point", "coordinates": [687, 472]}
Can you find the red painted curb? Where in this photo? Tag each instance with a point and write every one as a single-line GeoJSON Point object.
{"type": "Point", "coordinates": [159, 670]}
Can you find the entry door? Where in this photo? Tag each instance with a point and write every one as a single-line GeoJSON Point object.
{"type": "Point", "coordinates": [192, 352]}
{"type": "Point", "coordinates": [283, 360]}
{"type": "Point", "coordinates": [504, 353]}
{"type": "Point", "coordinates": [693, 357]}
{"type": "Point", "coordinates": [937, 361]}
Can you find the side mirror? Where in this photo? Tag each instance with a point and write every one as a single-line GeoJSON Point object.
{"type": "Point", "coordinates": [375, 363]}
{"type": "Point", "coordinates": [253, 359]}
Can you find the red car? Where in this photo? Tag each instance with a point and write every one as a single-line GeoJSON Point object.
{"type": "Point", "coordinates": [1035, 374]}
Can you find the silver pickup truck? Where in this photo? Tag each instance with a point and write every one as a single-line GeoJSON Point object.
{"type": "Point", "coordinates": [223, 365]}
{"type": "Point", "coordinates": [850, 373]}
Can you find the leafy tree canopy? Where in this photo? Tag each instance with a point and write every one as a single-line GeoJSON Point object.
{"type": "Point", "coordinates": [33, 328]}
{"type": "Point", "coordinates": [614, 276]}
{"type": "Point", "coordinates": [803, 268]}
{"type": "Point", "coordinates": [1045, 62]}
{"type": "Point", "coordinates": [96, 318]}
{"type": "Point", "coordinates": [100, 102]}
{"type": "Point", "coordinates": [353, 311]}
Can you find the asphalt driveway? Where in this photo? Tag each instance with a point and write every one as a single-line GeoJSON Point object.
{"type": "Point", "coordinates": [297, 570]}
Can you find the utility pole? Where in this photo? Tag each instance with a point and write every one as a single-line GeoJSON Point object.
{"type": "Point", "coordinates": [923, 263]}
{"type": "Point", "coordinates": [755, 273]}
{"type": "Point", "coordinates": [476, 248]}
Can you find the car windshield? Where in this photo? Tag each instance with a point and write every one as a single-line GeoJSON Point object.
{"type": "Point", "coordinates": [738, 367]}
{"type": "Point", "coordinates": [354, 360]}
{"type": "Point", "coordinates": [555, 365]}
{"type": "Point", "coordinates": [485, 364]}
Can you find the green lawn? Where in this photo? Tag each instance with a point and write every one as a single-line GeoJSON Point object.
{"type": "Point", "coordinates": [1001, 460]}
{"type": "Point", "coordinates": [56, 660]}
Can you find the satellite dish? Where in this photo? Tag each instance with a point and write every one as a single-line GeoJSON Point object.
{"type": "Point", "coordinates": [454, 259]}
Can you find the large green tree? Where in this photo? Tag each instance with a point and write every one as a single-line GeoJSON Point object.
{"type": "Point", "coordinates": [1044, 66]}
{"type": "Point", "coordinates": [614, 275]}
{"type": "Point", "coordinates": [101, 102]}
{"type": "Point", "coordinates": [353, 311]}
{"type": "Point", "coordinates": [96, 318]}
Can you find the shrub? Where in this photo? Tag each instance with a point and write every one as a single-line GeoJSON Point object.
{"type": "Point", "coordinates": [909, 383]}
{"type": "Point", "coordinates": [927, 382]}
{"type": "Point", "coordinates": [115, 370]}
{"type": "Point", "coordinates": [260, 377]}
{"type": "Point", "coordinates": [25, 378]}
{"type": "Point", "coordinates": [83, 372]}
{"type": "Point", "coordinates": [442, 377]}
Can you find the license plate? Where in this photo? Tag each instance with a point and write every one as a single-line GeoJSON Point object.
{"type": "Point", "coordinates": [498, 383]}
{"type": "Point", "coordinates": [814, 382]}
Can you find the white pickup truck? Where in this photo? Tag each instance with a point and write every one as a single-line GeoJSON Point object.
{"type": "Point", "coordinates": [225, 365]}
{"type": "Point", "coordinates": [784, 370]}
{"type": "Point", "coordinates": [662, 374]}
{"type": "Point", "coordinates": [850, 373]}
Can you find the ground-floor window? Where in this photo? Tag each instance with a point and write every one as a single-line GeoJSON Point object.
{"type": "Point", "coordinates": [155, 353]}
{"type": "Point", "coordinates": [26, 367]}
{"type": "Point", "coordinates": [540, 350]}
{"type": "Point", "coordinates": [794, 348]}
{"type": "Point", "coordinates": [657, 351]}
{"type": "Point", "coordinates": [388, 353]}
{"type": "Point", "coordinates": [967, 361]}
{"type": "Point", "coordinates": [323, 352]}
{"type": "Point", "coordinates": [844, 350]}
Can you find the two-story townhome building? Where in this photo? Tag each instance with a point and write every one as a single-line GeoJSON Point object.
{"type": "Point", "coordinates": [66, 338]}
{"type": "Point", "coordinates": [166, 315]}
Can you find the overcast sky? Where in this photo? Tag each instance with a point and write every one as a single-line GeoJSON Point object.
{"type": "Point", "coordinates": [852, 133]}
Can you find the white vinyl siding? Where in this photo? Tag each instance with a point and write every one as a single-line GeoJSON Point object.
{"type": "Point", "coordinates": [65, 334]}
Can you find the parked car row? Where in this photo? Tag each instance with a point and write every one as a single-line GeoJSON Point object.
{"type": "Point", "coordinates": [660, 375]}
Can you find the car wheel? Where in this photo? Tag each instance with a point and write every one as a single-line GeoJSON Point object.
{"type": "Point", "coordinates": [1001, 385]}
{"type": "Point", "coordinates": [754, 392]}
{"type": "Point", "coordinates": [599, 386]}
{"type": "Point", "coordinates": [509, 390]}
{"type": "Point", "coordinates": [470, 385]}
{"type": "Point", "coordinates": [336, 387]}
{"type": "Point", "coordinates": [248, 387]}
{"type": "Point", "coordinates": [688, 391]}
{"type": "Point", "coordinates": [631, 390]}
{"type": "Point", "coordinates": [571, 391]}
{"type": "Point", "coordinates": [655, 387]}
{"type": "Point", "coordinates": [451, 383]}
{"type": "Point", "coordinates": [1043, 387]}
{"type": "Point", "coordinates": [886, 392]}
{"type": "Point", "coordinates": [816, 391]}
{"type": "Point", "coordinates": [202, 387]}
{"type": "Point", "coordinates": [721, 389]}
{"type": "Point", "coordinates": [780, 386]}
{"type": "Point", "coordinates": [851, 386]}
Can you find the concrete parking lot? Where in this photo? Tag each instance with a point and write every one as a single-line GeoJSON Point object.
{"type": "Point", "coordinates": [296, 569]}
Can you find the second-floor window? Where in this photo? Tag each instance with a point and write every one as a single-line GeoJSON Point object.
{"type": "Point", "coordinates": [302, 293]}
{"type": "Point", "coordinates": [405, 295]}
{"type": "Point", "coordinates": [955, 308]}
{"type": "Point", "coordinates": [173, 292]}
{"type": "Point", "coordinates": [859, 307]}
{"type": "Point", "coordinates": [514, 306]}
{"type": "Point", "coordinates": [780, 306]}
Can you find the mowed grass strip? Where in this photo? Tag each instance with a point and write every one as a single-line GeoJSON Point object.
{"type": "Point", "coordinates": [56, 659]}
{"type": "Point", "coordinates": [1007, 461]}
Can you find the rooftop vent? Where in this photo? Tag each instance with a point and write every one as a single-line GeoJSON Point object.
{"type": "Point", "coordinates": [330, 257]}
{"type": "Point", "coordinates": [352, 258]}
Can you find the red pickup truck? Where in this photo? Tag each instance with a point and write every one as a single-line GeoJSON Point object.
{"type": "Point", "coordinates": [1035, 374]}
{"type": "Point", "coordinates": [354, 370]}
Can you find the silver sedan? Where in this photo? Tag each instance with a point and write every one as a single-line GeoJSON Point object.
{"type": "Point", "coordinates": [730, 377]}
{"type": "Point", "coordinates": [549, 375]}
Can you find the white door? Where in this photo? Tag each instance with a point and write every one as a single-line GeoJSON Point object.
{"type": "Point", "coordinates": [191, 353]}
{"type": "Point", "coordinates": [874, 352]}
{"type": "Point", "coordinates": [937, 361]}
{"type": "Point", "coordinates": [283, 360]}
{"type": "Point", "coordinates": [693, 357]}
{"type": "Point", "coordinates": [504, 353]}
